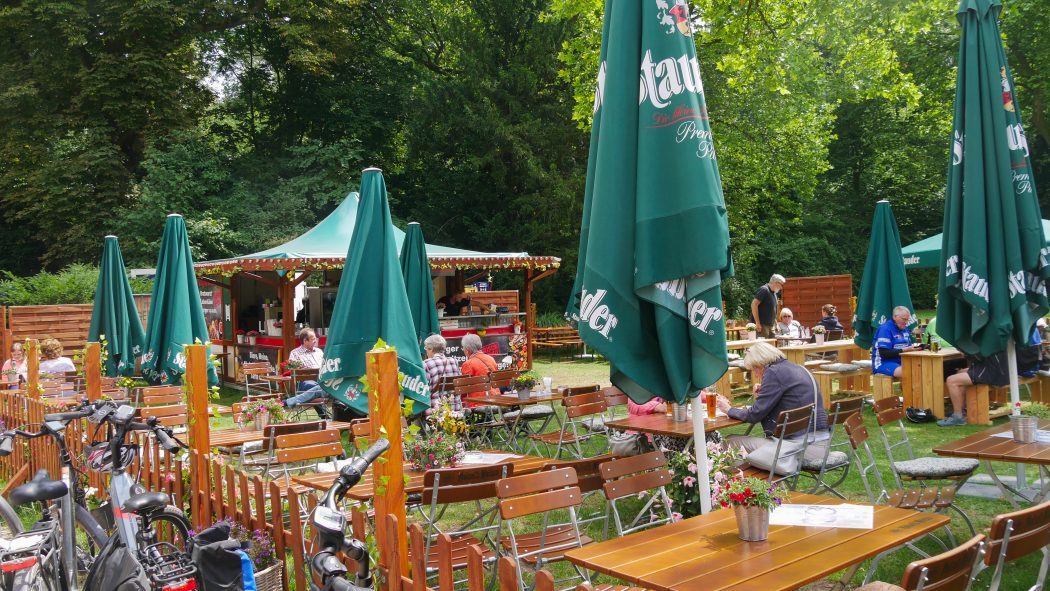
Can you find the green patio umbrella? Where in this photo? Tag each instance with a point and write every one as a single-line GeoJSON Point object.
{"type": "Point", "coordinates": [926, 253]}
{"type": "Point", "coordinates": [176, 317]}
{"type": "Point", "coordinates": [415, 268]}
{"type": "Point", "coordinates": [654, 241]}
{"type": "Point", "coordinates": [371, 305]}
{"type": "Point", "coordinates": [884, 285]}
{"type": "Point", "coordinates": [992, 286]}
{"type": "Point", "coordinates": [115, 314]}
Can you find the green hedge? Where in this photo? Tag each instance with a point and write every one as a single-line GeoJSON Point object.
{"type": "Point", "coordinates": [73, 285]}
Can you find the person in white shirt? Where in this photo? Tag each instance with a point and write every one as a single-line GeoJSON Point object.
{"type": "Point", "coordinates": [310, 356]}
{"type": "Point", "coordinates": [54, 363]}
{"type": "Point", "coordinates": [789, 327]}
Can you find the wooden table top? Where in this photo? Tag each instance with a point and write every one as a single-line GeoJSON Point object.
{"type": "Point", "coordinates": [704, 552]}
{"type": "Point", "coordinates": [237, 438]}
{"type": "Point", "coordinates": [836, 345]}
{"type": "Point", "coordinates": [504, 400]}
{"type": "Point", "coordinates": [364, 490]}
{"type": "Point", "coordinates": [745, 343]}
{"type": "Point", "coordinates": [983, 446]}
{"type": "Point", "coordinates": [944, 353]}
{"type": "Point", "coordinates": [661, 424]}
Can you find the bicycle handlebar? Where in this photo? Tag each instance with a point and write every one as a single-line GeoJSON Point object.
{"type": "Point", "coordinates": [351, 474]}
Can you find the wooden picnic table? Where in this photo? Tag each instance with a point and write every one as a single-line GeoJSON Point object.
{"type": "Point", "coordinates": [922, 378]}
{"type": "Point", "coordinates": [704, 552]}
{"type": "Point", "coordinates": [230, 438]}
{"type": "Point", "coordinates": [661, 424]}
{"type": "Point", "coordinates": [845, 348]}
{"type": "Point", "coordinates": [365, 490]}
{"type": "Point", "coordinates": [744, 344]}
{"type": "Point", "coordinates": [987, 447]}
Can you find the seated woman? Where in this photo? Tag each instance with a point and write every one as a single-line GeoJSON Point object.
{"type": "Point", "coordinates": [784, 386]}
{"type": "Point", "coordinates": [789, 327]}
{"type": "Point", "coordinates": [53, 362]}
{"type": "Point", "coordinates": [828, 319]}
{"type": "Point", "coordinates": [14, 369]}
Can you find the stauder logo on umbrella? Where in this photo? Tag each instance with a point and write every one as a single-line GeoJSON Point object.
{"type": "Point", "coordinates": [596, 314]}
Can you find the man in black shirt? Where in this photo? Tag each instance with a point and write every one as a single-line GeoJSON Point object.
{"type": "Point", "coordinates": [764, 306]}
{"type": "Point", "coordinates": [453, 305]}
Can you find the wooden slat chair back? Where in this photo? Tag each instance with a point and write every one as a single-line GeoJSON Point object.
{"type": "Point", "coordinates": [159, 395]}
{"type": "Point", "coordinates": [628, 477]}
{"type": "Point", "coordinates": [1018, 534]}
{"type": "Point", "coordinates": [542, 493]}
{"type": "Point", "coordinates": [484, 431]}
{"type": "Point", "coordinates": [471, 484]}
{"type": "Point", "coordinates": [577, 390]}
{"type": "Point", "coordinates": [262, 456]}
{"type": "Point", "coordinates": [296, 451]}
{"type": "Point", "coordinates": [931, 498]}
{"type": "Point", "coordinates": [503, 378]}
{"type": "Point", "coordinates": [589, 479]}
{"type": "Point", "coordinates": [172, 415]}
{"type": "Point", "coordinates": [253, 380]}
{"type": "Point", "coordinates": [889, 414]}
{"type": "Point", "coordinates": [574, 430]}
{"type": "Point", "coordinates": [953, 570]}
{"type": "Point", "coordinates": [361, 429]}
{"type": "Point", "coordinates": [255, 397]}
{"type": "Point", "coordinates": [616, 400]}
{"type": "Point", "coordinates": [789, 422]}
{"type": "Point", "coordinates": [467, 385]}
{"type": "Point", "coordinates": [303, 374]}
{"type": "Point", "coordinates": [836, 459]}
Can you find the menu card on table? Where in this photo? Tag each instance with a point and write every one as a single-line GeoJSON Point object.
{"type": "Point", "coordinates": [847, 516]}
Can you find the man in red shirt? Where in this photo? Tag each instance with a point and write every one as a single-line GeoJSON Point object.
{"type": "Point", "coordinates": [477, 363]}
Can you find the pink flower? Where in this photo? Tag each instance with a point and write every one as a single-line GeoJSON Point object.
{"type": "Point", "coordinates": [676, 516]}
{"type": "Point", "coordinates": [692, 466]}
{"type": "Point", "coordinates": [688, 481]}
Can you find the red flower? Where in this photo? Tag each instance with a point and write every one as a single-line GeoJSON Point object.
{"type": "Point", "coordinates": [747, 492]}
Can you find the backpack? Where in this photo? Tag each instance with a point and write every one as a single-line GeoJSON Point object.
{"type": "Point", "coordinates": [116, 569]}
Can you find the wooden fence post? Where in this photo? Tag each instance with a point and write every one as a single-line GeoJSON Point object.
{"type": "Point", "coordinates": [384, 411]}
{"type": "Point", "coordinates": [197, 396]}
{"type": "Point", "coordinates": [93, 371]}
{"type": "Point", "coordinates": [32, 369]}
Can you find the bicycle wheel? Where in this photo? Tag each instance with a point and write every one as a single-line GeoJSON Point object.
{"type": "Point", "coordinates": [170, 525]}
{"type": "Point", "coordinates": [90, 537]}
{"type": "Point", "coordinates": [10, 523]}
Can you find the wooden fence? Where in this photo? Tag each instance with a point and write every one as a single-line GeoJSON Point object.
{"type": "Point", "coordinates": [68, 323]}
{"type": "Point", "coordinates": [806, 295]}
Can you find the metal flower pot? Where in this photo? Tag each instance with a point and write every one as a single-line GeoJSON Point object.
{"type": "Point", "coordinates": [752, 523]}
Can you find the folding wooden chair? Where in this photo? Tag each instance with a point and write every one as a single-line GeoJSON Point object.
{"type": "Point", "coordinates": [541, 493]}
{"type": "Point", "coordinates": [484, 422]}
{"type": "Point", "coordinates": [953, 570]}
{"type": "Point", "coordinates": [503, 379]}
{"type": "Point", "coordinates": [789, 422]}
{"type": "Point", "coordinates": [627, 477]}
{"type": "Point", "coordinates": [834, 460]}
{"type": "Point", "coordinates": [158, 395]}
{"type": "Point", "coordinates": [261, 457]}
{"type": "Point", "coordinates": [253, 380]}
{"type": "Point", "coordinates": [889, 413]}
{"type": "Point", "coordinates": [573, 430]}
{"type": "Point", "coordinates": [1017, 534]}
{"type": "Point", "coordinates": [298, 452]}
{"type": "Point", "coordinates": [589, 479]}
{"type": "Point", "coordinates": [171, 415]}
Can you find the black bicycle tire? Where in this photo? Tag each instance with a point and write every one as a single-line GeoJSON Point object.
{"type": "Point", "coordinates": [85, 522]}
{"type": "Point", "coordinates": [10, 517]}
{"type": "Point", "coordinates": [173, 515]}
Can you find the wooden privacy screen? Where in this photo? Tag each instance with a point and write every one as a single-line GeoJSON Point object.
{"type": "Point", "coordinates": [806, 295]}
{"type": "Point", "coordinates": [497, 298]}
{"type": "Point", "coordinates": [69, 323]}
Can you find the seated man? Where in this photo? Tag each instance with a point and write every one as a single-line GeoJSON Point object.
{"type": "Point", "coordinates": [437, 367]}
{"type": "Point", "coordinates": [993, 371]}
{"type": "Point", "coordinates": [892, 339]}
{"type": "Point", "coordinates": [309, 356]}
{"type": "Point", "coordinates": [784, 386]}
{"type": "Point", "coordinates": [454, 304]}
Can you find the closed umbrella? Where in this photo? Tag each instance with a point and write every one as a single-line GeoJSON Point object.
{"type": "Point", "coordinates": [654, 241]}
{"type": "Point", "coordinates": [992, 286]}
{"type": "Point", "coordinates": [415, 268]}
{"type": "Point", "coordinates": [884, 285]}
{"type": "Point", "coordinates": [371, 305]}
{"type": "Point", "coordinates": [176, 317]}
{"type": "Point", "coordinates": [115, 314]}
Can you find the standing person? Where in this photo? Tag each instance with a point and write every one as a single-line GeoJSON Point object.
{"type": "Point", "coordinates": [477, 363]}
{"type": "Point", "coordinates": [15, 368]}
{"type": "Point", "coordinates": [53, 362]}
{"type": "Point", "coordinates": [454, 304]}
{"type": "Point", "coordinates": [764, 305]}
{"type": "Point", "coordinates": [891, 339]}
{"type": "Point", "coordinates": [437, 367]}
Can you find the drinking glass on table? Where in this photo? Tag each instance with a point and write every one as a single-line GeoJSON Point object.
{"type": "Point", "coordinates": [547, 384]}
{"type": "Point", "coordinates": [709, 399]}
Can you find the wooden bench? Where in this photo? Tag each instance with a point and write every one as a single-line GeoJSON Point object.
{"type": "Point", "coordinates": [557, 337]}
{"type": "Point", "coordinates": [724, 385]}
{"type": "Point", "coordinates": [856, 379]}
{"type": "Point", "coordinates": [980, 397]}
{"type": "Point", "coordinates": [882, 386]}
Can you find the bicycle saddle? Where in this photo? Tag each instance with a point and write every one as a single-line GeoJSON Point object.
{"type": "Point", "coordinates": [145, 503]}
{"type": "Point", "coordinates": [40, 488]}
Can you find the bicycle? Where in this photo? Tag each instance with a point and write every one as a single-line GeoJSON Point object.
{"type": "Point", "coordinates": [135, 511]}
{"type": "Point", "coordinates": [29, 561]}
{"type": "Point", "coordinates": [331, 525]}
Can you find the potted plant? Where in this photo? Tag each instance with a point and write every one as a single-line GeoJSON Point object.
{"type": "Point", "coordinates": [241, 338]}
{"type": "Point", "coordinates": [260, 413]}
{"type": "Point", "coordinates": [252, 336]}
{"type": "Point", "coordinates": [260, 548]}
{"type": "Point", "coordinates": [124, 386]}
{"type": "Point", "coordinates": [441, 447]}
{"type": "Point", "coordinates": [818, 334]}
{"type": "Point", "coordinates": [524, 383]}
{"type": "Point", "coordinates": [752, 499]}
{"type": "Point", "coordinates": [752, 330]}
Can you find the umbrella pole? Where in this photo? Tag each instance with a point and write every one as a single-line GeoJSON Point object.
{"type": "Point", "coordinates": [1015, 400]}
{"type": "Point", "coordinates": [703, 479]}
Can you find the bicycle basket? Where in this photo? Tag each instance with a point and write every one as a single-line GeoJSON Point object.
{"type": "Point", "coordinates": [23, 556]}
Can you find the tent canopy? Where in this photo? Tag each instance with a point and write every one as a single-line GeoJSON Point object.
{"type": "Point", "coordinates": [326, 244]}
{"type": "Point", "coordinates": [926, 253]}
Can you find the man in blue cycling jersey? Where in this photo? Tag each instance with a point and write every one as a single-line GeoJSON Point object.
{"type": "Point", "coordinates": [892, 339]}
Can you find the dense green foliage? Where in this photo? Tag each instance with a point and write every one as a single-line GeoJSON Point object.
{"type": "Point", "coordinates": [73, 285]}
{"type": "Point", "coordinates": [253, 119]}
